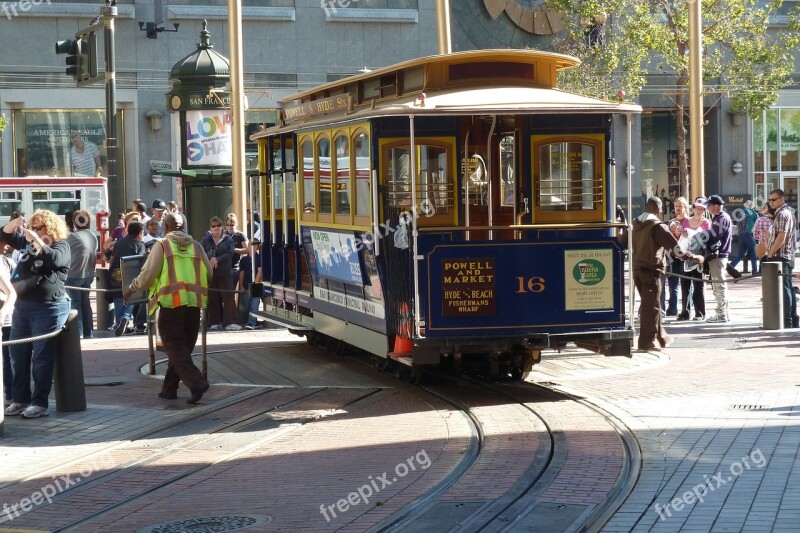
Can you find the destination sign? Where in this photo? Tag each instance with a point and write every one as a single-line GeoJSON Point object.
{"type": "Point", "coordinates": [326, 106]}
{"type": "Point", "coordinates": [468, 287]}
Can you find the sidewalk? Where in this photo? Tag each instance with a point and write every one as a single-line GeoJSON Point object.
{"type": "Point", "coordinates": [717, 420]}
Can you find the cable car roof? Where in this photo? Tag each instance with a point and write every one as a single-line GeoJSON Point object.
{"type": "Point", "coordinates": [476, 101]}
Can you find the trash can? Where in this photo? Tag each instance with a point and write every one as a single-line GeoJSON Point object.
{"type": "Point", "coordinates": [68, 382]}
{"type": "Point", "coordinates": [105, 314]}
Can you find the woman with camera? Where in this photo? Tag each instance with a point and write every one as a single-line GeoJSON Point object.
{"type": "Point", "coordinates": [42, 306]}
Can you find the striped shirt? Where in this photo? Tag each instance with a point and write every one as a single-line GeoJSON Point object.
{"type": "Point", "coordinates": [84, 164]}
{"type": "Point", "coordinates": [786, 223]}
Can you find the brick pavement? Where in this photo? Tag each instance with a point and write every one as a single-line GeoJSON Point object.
{"type": "Point", "coordinates": [716, 414]}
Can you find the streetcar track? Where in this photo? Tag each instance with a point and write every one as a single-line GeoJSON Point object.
{"type": "Point", "coordinates": [502, 513]}
{"type": "Point", "coordinates": [170, 430]}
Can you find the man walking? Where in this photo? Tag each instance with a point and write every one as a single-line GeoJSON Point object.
{"type": "Point", "coordinates": [781, 247]}
{"type": "Point", "coordinates": [177, 273]}
{"type": "Point", "coordinates": [720, 232]}
{"type": "Point", "coordinates": [651, 240]}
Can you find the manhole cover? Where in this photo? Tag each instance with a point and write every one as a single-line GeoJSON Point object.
{"type": "Point", "coordinates": [208, 524]}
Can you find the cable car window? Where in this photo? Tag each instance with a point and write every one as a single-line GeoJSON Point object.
{"type": "Point", "coordinates": [363, 194]}
{"type": "Point", "coordinates": [568, 178]}
{"type": "Point", "coordinates": [10, 201]}
{"type": "Point", "coordinates": [323, 159]}
{"type": "Point", "coordinates": [307, 172]}
{"type": "Point", "coordinates": [288, 150]}
{"type": "Point", "coordinates": [342, 143]}
{"type": "Point", "coordinates": [507, 163]}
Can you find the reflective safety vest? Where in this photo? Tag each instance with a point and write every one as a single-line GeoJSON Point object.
{"type": "Point", "coordinates": [183, 281]}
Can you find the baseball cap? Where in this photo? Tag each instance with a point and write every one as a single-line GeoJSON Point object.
{"type": "Point", "coordinates": [159, 204]}
{"type": "Point", "coordinates": [700, 202]}
{"type": "Point", "coordinates": [715, 200]}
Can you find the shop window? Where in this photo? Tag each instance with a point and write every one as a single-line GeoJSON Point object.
{"type": "Point", "coordinates": [59, 143]}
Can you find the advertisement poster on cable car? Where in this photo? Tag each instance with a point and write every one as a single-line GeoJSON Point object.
{"type": "Point", "coordinates": [208, 137]}
{"type": "Point", "coordinates": [588, 280]}
{"type": "Point", "coordinates": [336, 256]}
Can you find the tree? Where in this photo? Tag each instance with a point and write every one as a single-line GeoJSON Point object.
{"type": "Point", "coordinates": [3, 123]}
{"type": "Point", "coordinates": [747, 56]}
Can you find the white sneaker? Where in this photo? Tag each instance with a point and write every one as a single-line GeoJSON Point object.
{"type": "Point", "coordinates": [233, 327]}
{"type": "Point", "coordinates": [34, 411]}
{"type": "Point", "coordinates": [15, 408]}
{"type": "Point", "coordinates": [714, 319]}
{"type": "Point", "coordinates": [215, 327]}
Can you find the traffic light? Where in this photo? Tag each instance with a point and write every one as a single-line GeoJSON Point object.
{"type": "Point", "coordinates": [81, 58]}
{"type": "Point", "coordinates": [75, 57]}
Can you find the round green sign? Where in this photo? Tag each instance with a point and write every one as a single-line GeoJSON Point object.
{"type": "Point", "coordinates": [589, 272]}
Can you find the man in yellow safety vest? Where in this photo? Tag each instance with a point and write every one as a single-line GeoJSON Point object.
{"type": "Point", "coordinates": [177, 273]}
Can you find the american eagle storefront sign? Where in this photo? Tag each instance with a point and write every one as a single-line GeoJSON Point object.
{"type": "Point", "coordinates": [208, 137]}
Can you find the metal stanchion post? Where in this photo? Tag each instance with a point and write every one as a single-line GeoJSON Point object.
{"type": "Point", "coordinates": [203, 327]}
{"type": "Point", "coordinates": [68, 383]}
{"type": "Point", "coordinates": [2, 413]}
{"type": "Point", "coordinates": [105, 315]}
{"type": "Point", "coordinates": [151, 340]}
{"type": "Point", "coordinates": [772, 295]}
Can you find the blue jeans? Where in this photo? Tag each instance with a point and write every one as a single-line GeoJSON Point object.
{"type": "Point", "coordinates": [789, 296]}
{"type": "Point", "coordinates": [81, 303]}
{"type": "Point", "coordinates": [254, 303]}
{"type": "Point", "coordinates": [121, 310]}
{"type": "Point", "coordinates": [36, 359]}
{"type": "Point", "coordinates": [747, 246]}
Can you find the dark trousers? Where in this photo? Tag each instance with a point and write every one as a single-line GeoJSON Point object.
{"type": "Point", "coordinates": [222, 305]}
{"type": "Point", "coordinates": [651, 331]}
{"type": "Point", "coordinates": [80, 302]}
{"type": "Point", "coordinates": [789, 296]}
{"type": "Point", "coordinates": [8, 380]}
{"type": "Point", "coordinates": [696, 288]}
{"type": "Point", "coordinates": [179, 327]}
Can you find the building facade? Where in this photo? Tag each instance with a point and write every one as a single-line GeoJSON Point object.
{"type": "Point", "coordinates": [291, 45]}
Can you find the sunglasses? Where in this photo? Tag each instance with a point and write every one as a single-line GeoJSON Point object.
{"type": "Point", "coordinates": [216, 225]}
{"type": "Point", "coordinates": [229, 225]}
{"type": "Point", "coordinates": [37, 228]}
{"type": "Point", "coordinates": [774, 199]}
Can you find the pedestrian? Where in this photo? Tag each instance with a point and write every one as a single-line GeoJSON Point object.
{"type": "Point", "coordinates": [747, 243]}
{"type": "Point", "coordinates": [83, 259]}
{"type": "Point", "coordinates": [250, 272]}
{"type": "Point", "coordinates": [781, 247]}
{"type": "Point", "coordinates": [720, 233]}
{"type": "Point", "coordinates": [130, 244]}
{"type": "Point", "coordinates": [651, 239]}
{"type": "Point", "coordinates": [681, 206]}
{"type": "Point", "coordinates": [7, 298]}
{"type": "Point", "coordinates": [761, 229]}
{"type": "Point", "coordinates": [158, 214]}
{"type": "Point", "coordinates": [222, 312]}
{"type": "Point", "coordinates": [177, 274]}
{"type": "Point", "coordinates": [42, 307]}
{"type": "Point", "coordinates": [694, 288]}
{"type": "Point", "coordinates": [240, 247]}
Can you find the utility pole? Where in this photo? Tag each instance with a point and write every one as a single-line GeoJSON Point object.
{"type": "Point", "coordinates": [238, 170]}
{"type": "Point", "coordinates": [696, 182]}
{"type": "Point", "coordinates": [443, 25]}
{"type": "Point", "coordinates": [108, 14]}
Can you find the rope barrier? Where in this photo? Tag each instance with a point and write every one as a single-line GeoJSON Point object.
{"type": "Point", "coordinates": [38, 338]}
{"type": "Point", "coordinates": [89, 289]}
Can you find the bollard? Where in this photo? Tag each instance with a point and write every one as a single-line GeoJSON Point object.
{"type": "Point", "coordinates": [2, 413]}
{"type": "Point", "coordinates": [772, 295]}
{"type": "Point", "coordinates": [105, 315]}
{"type": "Point", "coordinates": [68, 372]}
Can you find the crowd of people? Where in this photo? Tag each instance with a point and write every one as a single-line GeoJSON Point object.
{"type": "Point", "coordinates": [53, 267]}
{"type": "Point", "coordinates": [688, 249]}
